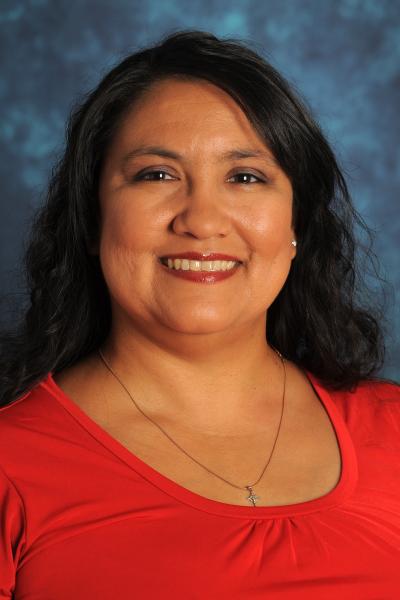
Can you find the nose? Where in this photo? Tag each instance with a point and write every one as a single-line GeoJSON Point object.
{"type": "Point", "coordinates": [203, 214]}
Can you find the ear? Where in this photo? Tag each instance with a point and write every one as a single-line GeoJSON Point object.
{"type": "Point", "coordinates": [294, 247]}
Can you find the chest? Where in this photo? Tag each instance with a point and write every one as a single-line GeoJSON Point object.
{"type": "Point", "coordinates": [305, 463]}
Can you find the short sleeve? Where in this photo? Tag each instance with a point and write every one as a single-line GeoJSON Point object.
{"type": "Point", "coordinates": [12, 534]}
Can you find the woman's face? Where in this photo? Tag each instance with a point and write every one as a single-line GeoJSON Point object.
{"type": "Point", "coordinates": [200, 201]}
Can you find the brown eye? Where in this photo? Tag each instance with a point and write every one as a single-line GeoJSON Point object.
{"type": "Point", "coordinates": [155, 175]}
{"type": "Point", "coordinates": [247, 177]}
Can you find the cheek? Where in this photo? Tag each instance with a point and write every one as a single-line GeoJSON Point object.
{"type": "Point", "coordinates": [127, 272]}
{"type": "Point", "coordinates": [127, 227]}
{"type": "Point", "coordinates": [271, 230]}
{"type": "Point", "coordinates": [271, 252]}
{"type": "Point", "coordinates": [125, 239]}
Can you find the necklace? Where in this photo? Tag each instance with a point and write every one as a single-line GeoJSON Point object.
{"type": "Point", "coordinates": [252, 497]}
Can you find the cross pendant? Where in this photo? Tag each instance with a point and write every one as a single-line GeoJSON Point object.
{"type": "Point", "coordinates": [252, 497]}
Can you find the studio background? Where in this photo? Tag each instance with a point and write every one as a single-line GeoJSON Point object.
{"type": "Point", "coordinates": [342, 55]}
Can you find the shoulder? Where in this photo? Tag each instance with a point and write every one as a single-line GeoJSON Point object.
{"type": "Point", "coordinates": [371, 411]}
{"type": "Point", "coordinates": [382, 389]}
{"type": "Point", "coordinates": [25, 423]}
{"type": "Point", "coordinates": [374, 395]}
{"type": "Point", "coordinates": [371, 393]}
{"type": "Point", "coordinates": [28, 405]}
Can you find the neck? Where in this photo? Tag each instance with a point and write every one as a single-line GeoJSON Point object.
{"type": "Point", "coordinates": [212, 385]}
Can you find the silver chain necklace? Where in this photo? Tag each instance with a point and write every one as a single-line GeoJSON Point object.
{"type": "Point", "coordinates": [252, 496]}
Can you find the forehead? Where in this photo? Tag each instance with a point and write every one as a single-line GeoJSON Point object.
{"type": "Point", "coordinates": [177, 94]}
{"type": "Point", "coordinates": [196, 114]}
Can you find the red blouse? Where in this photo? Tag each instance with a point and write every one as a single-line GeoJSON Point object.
{"type": "Point", "coordinates": [81, 517]}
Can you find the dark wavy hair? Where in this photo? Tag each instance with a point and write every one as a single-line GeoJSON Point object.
{"type": "Point", "coordinates": [319, 319]}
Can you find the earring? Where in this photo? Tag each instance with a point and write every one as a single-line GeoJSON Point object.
{"type": "Point", "coordinates": [294, 243]}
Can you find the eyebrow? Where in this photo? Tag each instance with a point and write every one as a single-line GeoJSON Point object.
{"type": "Point", "coordinates": [234, 154]}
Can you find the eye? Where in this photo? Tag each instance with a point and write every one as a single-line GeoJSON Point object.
{"type": "Point", "coordinates": [148, 175]}
{"type": "Point", "coordinates": [158, 175]}
{"type": "Point", "coordinates": [247, 176]}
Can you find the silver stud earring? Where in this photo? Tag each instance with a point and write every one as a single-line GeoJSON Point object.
{"type": "Point", "coordinates": [294, 243]}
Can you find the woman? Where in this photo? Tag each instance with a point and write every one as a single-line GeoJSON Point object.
{"type": "Point", "coordinates": [190, 408]}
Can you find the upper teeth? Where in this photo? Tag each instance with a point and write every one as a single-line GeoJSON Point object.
{"type": "Point", "coordinates": [200, 265]}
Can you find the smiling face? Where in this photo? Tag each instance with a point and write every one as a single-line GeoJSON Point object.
{"type": "Point", "coordinates": [200, 201]}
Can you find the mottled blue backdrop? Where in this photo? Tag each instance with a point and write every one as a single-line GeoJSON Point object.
{"type": "Point", "coordinates": [343, 56]}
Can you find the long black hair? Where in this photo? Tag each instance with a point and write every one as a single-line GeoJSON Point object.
{"type": "Point", "coordinates": [318, 320]}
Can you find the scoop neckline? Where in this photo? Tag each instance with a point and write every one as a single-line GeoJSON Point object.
{"type": "Point", "coordinates": [343, 489]}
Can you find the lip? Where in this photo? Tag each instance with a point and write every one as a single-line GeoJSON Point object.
{"type": "Point", "coordinates": [202, 256]}
{"type": "Point", "coordinates": [207, 277]}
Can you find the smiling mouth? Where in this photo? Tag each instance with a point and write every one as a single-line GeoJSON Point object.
{"type": "Point", "coordinates": [184, 264]}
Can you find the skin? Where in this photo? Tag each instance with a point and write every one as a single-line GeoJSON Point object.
{"type": "Point", "coordinates": [168, 333]}
{"type": "Point", "coordinates": [194, 356]}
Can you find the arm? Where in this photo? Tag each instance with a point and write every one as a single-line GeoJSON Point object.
{"type": "Point", "coordinates": [12, 534]}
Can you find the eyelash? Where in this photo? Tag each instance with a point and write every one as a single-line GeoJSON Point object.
{"type": "Point", "coordinates": [141, 176]}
